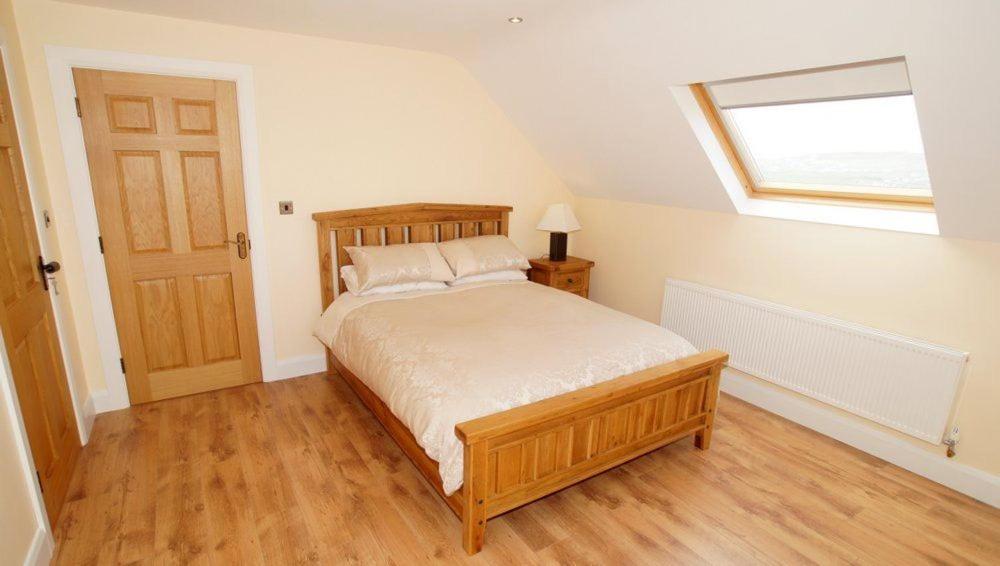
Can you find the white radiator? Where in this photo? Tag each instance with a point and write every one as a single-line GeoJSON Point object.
{"type": "Point", "coordinates": [900, 382]}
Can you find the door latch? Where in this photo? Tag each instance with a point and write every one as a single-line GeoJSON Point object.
{"type": "Point", "coordinates": [46, 269]}
{"type": "Point", "coordinates": [242, 244]}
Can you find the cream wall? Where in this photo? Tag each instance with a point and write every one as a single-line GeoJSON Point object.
{"type": "Point", "coordinates": [341, 125]}
{"type": "Point", "coordinates": [942, 290]}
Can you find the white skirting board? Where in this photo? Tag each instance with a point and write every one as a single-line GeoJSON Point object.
{"type": "Point", "coordinates": [40, 551]}
{"type": "Point", "coordinates": [298, 367]}
{"type": "Point", "coordinates": [89, 413]}
{"type": "Point", "coordinates": [830, 422]}
{"type": "Point", "coordinates": [103, 402]}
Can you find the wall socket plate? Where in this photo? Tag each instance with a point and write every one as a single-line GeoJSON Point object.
{"type": "Point", "coordinates": [285, 207]}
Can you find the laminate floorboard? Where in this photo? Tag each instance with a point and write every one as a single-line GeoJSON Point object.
{"type": "Point", "coordinates": [298, 471]}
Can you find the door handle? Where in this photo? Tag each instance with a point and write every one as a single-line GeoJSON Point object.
{"type": "Point", "coordinates": [46, 269]}
{"type": "Point", "coordinates": [242, 244]}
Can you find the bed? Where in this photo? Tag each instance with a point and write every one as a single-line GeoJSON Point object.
{"type": "Point", "coordinates": [501, 393]}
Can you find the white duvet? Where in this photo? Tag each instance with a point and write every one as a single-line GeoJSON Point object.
{"type": "Point", "coordinates": [438, 358]}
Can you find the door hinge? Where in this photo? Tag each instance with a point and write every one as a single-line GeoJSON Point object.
{"type": "Point", "coordinates": [79, 111]}
{"type": "Point", "coordinates": [122, 362]}
{"type": "Point", "coordinates": [100, 243]}
{"type": "Point", "coordinates": [41, 486]}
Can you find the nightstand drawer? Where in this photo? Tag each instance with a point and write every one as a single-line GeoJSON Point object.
{"type": "Point", "coordinates": [570, 280]}
{"type": "Point", "coordinates": [572, 275]}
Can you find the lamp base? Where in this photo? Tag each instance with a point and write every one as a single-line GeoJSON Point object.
{"type": "Point", "coordinates": [557, 246]}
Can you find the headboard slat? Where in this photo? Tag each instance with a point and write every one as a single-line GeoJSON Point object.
{"type": "Point", "coordinates": [339, 228]}
{"type": "Point", "coordinates": [371, 236]}
{"type": "Point", "coordinates": [345, 237]}
{"type": "Point", "coordinates": [449, 231]}
{"type": "Point", "coordinates": [394, 235]}
{"type": "Point", "coordinates": [421, 233]}
{"type": "Point", "coordinates": [470, 229]}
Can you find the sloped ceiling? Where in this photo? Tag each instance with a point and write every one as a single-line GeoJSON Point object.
{"type": "Point", "coordinates": [587, 80]}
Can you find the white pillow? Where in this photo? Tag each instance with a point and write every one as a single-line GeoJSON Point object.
{"type": "Point", "coordinates": [483, 254]}
{"type": "Point", "coordinates": [350, 275]}
{"type": "Point", "coordinates": [507, 275]}
{"type": "Point", "coordinates": [378, 266]}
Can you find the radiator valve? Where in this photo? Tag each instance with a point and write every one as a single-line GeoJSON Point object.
{"type": "Point", "coordinates": [951, 441]}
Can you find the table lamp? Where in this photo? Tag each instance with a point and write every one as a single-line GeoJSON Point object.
{"type": "Point", "coordinates": [558, 220]}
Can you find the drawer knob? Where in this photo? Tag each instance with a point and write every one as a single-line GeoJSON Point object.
{"type": "Point", "coordinates": [570, 280]}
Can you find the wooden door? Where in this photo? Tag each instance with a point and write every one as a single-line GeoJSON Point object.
{"type": "Point", "coordinates": [29, 330]}
{"type": "Point", "coordinates": [166, 168]}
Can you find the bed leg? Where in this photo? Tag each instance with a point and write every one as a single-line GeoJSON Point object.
{"type": "Point", "coordinates": [703, 438]}
{"type": "Point", "coordinates": [331, 366]}
{"type": "Point", "coordinates": [474, 497]}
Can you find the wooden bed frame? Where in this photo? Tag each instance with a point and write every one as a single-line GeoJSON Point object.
{"type": "Point", "coordinates": [523, 454]}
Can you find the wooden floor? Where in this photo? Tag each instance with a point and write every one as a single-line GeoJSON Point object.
{"type": "Point", "coordinates": [298, 471]}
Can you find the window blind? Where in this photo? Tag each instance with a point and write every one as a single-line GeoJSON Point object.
{"type": "Point", "coordinates": [859, 80]}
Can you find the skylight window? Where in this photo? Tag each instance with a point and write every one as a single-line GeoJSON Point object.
{"type": "Point", "coordinates": [845, 134]}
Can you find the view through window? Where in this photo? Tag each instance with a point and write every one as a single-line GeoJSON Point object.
{"type": "Point", "coordinates": [870, 144]}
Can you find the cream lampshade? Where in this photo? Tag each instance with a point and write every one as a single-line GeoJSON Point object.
{"type": "Point", "coordinates": [558, 220]}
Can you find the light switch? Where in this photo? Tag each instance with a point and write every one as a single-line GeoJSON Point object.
{"type": "Point", "coordinates": [285, 207]}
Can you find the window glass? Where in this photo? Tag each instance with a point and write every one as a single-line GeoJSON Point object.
{"type": "Point", "coordinates": [868, 145]}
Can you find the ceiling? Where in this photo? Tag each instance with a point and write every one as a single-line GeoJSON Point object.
{"type": "Point", "coordinates": [588, 80]}
{"type": "Point", "coordinates": [446, 26]}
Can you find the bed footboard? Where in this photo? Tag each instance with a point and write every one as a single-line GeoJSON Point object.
{"type": "Point", "coordinates": [517, 456]}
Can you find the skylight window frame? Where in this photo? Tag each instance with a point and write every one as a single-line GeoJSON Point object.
{"type": "Point", "coordinates": [735, 150]}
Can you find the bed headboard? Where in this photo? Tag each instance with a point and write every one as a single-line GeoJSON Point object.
{"type": "Point", "coordinates": [397, 224]}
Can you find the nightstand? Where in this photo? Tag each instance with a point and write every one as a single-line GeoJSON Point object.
{"type": "Point", "coordinates": [572, 275]}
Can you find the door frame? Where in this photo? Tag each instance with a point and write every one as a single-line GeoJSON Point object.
{"type": "Point", "coordinates": [61, 61]}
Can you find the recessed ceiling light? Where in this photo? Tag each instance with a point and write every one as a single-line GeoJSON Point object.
{"type": "Point", "coordinates": [515, 20]}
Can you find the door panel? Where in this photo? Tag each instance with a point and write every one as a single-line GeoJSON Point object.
{"type": "Point", "coordinates": [166, 169]}
{"type": "Point", "coordinates": [131, 114]}
{"type": "Point", "coordinates": [143, 200]}
{"type": "Point", "coordinates": [19, 239]}
{"type": "Point", "coordinates": [160, 314]}
{"type": "Point", "coordinates": [28, 326]}
{"type": "Point", "coordinates": [202, 177]}
{"type": "Point", "coordinates": [217, 315]}
{"type": "Point", "coordinates": [195, 117]}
